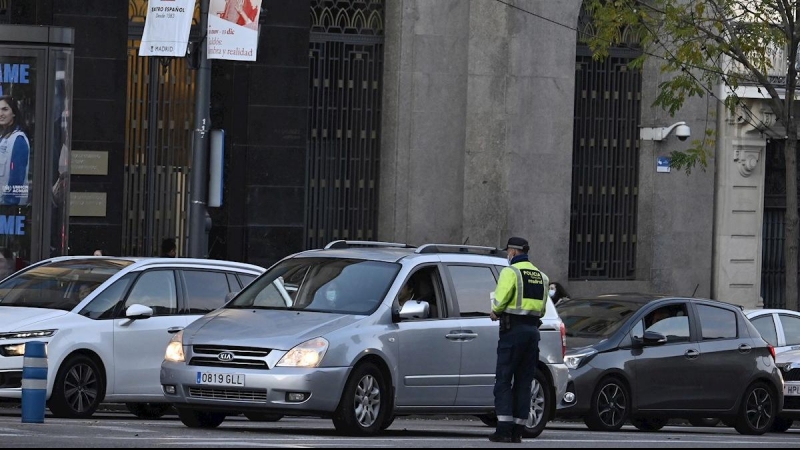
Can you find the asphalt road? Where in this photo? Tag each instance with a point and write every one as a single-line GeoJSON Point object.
{"type": "Point", "coordinates": [118, 430]}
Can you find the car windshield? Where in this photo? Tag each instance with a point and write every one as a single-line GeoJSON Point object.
{"type": "Point", "coordinates": [59, 285]}
{"type": "Point", "coordinates": [338, 286]}
{"type": "Point", "coordinates": [589, 322]}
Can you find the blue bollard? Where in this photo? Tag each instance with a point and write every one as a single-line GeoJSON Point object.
{"type": "Point", "coordinates": [34, 382]}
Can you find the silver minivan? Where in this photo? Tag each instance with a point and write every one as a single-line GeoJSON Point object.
{"type": "Point", "coordinates": [324, 333]}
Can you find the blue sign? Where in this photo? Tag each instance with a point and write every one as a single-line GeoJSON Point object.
{"type": "Point", "coordinates": [662, 166]}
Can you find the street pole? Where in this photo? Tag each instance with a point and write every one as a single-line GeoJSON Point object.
{"type": "Point", "coordinates": [198, 239]}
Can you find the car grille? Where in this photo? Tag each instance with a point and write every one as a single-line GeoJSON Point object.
{"type": "Point", "coordinates": [792, 375]}
{"type": "Point", "coordinates": [791, 403]}
{"type": "Point", "coordinates": [229, 394]}
{"type": "Point", "coordinates": [243, 357]}
{"type": "Point", "coordinates": [10, 380]}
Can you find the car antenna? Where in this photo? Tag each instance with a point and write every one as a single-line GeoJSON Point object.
{"type": "Point", "coordinates": [695, 290]}
{"type": "Point", "coordinates": [466, 241]}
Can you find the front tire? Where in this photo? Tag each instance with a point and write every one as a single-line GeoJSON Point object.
{"type": "Point", "coordinates": [148, 411]}
{"type": "Point", "coordinates": [758, 410]}
{"type": "Point", "coordinates": [78, 390]}
{"type": "Point", "coordinates": [200, 419]}
{"type": "Point", "coordinates": [364, 405]}
{"type": "Point", "coordinates": [781, 425]}
{"type": "Point", "coordinates": [611, 406]}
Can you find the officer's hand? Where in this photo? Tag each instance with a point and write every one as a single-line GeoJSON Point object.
{"type": "Point", "coordinates": [494, 317]}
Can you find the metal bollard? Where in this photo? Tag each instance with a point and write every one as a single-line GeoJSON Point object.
{"type": "Point", "coordinates": [34, 382]}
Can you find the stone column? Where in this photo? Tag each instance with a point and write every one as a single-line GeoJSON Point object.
{"type": "Point", "coordinates": [740, 206]}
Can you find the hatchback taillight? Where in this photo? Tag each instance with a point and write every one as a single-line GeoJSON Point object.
{"type": "Point", "coordinates": [772, 352]}
{"type": "Point", "coordinates": [563, 341]}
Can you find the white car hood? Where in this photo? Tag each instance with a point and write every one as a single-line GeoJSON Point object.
{"type": "Point", "coordinates": [13, 318]}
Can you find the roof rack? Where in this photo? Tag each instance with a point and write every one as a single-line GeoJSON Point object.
{"type": "Point", "coordinates": [445, 248]}
{"type": "Point", "coordinates": [341, 245]}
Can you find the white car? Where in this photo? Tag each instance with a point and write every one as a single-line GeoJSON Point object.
{"type": "Point", "coordinates": [780, 328]}
{"type": "Point", "coordinates": [107, 323]}
{"type": "Point", "coordinates": [789, 363]}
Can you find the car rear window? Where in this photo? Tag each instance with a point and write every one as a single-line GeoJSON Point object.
{"type": "Point", "coordinates": [58, 285]}
{"type": "Point", "coordinates": [591, 321]}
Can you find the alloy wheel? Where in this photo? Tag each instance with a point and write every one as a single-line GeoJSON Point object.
{"type": "Point", "coordinates": [611, 405]}
{"type": "Point", "coordinates": [367, 401]}
{"type": "Point", "coordinates": [537, 405]}
{"type": "Point", "coordinates": [81, 387]}
{"type": "Point", "coordinates": [759, 408]}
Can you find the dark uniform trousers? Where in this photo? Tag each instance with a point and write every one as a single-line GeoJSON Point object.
{"type": "Point", "coordinates": [517, 355]}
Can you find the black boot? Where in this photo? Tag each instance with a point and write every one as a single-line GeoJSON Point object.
{"type": "Point", "coordinates": [495, 437]}
{"type": "Point", "coordinates": [516, 436]}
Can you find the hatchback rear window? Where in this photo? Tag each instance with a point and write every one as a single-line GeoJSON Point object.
{"type": "Point", "coordinates": [338, 286]}
{"type": "Point", "coordinates": [60, 285]}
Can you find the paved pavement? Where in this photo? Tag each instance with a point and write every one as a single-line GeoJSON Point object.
{"type": "Point", "coordinates": [118, 430]}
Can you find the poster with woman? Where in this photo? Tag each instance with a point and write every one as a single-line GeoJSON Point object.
{"type": "Point", "coordinates": [233, 29]}
{"type": "Point", "coordinates": [17, 113]}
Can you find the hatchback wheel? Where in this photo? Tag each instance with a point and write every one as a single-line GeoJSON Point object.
{"type": "Point", "coordinates": [364, 405]}
{"type": "Point", "coordinates": [611, 406]}
{"type": "Point", "coordinates": [758, 410]}
{"type": "Point", "coordinates": [649, 424]}
{"type": "Point", "coordinates": [79, 388]}
{"type": "Point", "coordinates": [200, 419]}
{"type": "Point", "coordinates": [148, 411]}
{"type": "Point", "coordinates": [782, 425]}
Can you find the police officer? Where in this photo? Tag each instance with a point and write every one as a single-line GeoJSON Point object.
{"type": "Point", "coordinates": [519, 303]}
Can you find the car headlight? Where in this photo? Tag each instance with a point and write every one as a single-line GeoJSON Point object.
{"type": "Point", "coordinates": [13, 350]}
{"type": "Point", "coordinates": [578, 359]}
{"type": "Point", "coordinates": [27, 334]}
{"type": "Point", "coordinates": [175, 349]}
{"type": "Point", "coordinates": [308, 354]}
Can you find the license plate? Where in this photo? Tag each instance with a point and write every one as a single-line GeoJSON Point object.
{"type": "Point", "coordinates": [220, 379]}
{"type": "Point", "coordinates": [791, 390]}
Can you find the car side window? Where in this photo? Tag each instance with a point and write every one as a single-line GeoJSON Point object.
{"type": "Point", "coordinates": [246, 279]}
{"type": "Point", "coordinates": [766, 326]}
{"type": "Point", "coordinates": [717, 323]}
{"type": "Point", "coordinates": [791, 329]}
{"type": "Point", "coordinates": [671, 321]}
{"type": "Point", "coordinates": [157, 290]}
{"type": "Point", "coordinates": [424, 285]}
{"type": "Point", "coordinates": [473, 286]}
{"type": "Point", "coordinates": [206, 291]}
{"type": "Point", "coordinates": [104, 305]}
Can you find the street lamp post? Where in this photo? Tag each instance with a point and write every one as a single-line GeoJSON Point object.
{"type": "Point", "coordinates": [198, 238]}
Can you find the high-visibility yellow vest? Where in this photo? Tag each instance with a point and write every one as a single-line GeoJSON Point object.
{"type": "Point", "coordinates": [521, 291]}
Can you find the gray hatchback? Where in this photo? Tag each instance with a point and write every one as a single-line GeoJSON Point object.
{"type": "Point", "coordinates": [647, 359]}
{"type": "Point", "coordinates": [360, 333]}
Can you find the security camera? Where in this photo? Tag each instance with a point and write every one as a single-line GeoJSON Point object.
{"type": "Point", "coordinates": [683, 132]}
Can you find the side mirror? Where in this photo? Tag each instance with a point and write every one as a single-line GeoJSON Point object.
{"type": "Point", "coordinates": [652, 339]}
{"type": "Point", "coordinates": [138, 312]}
{"type": "Point", "coordinates": [415, 310]}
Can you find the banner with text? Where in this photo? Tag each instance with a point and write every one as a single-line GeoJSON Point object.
{"type": "Point", "coordinates": [167, 28]}
{"type": "Point", "coordinates": [233, 29]}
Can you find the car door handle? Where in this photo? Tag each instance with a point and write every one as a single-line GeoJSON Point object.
{"type": "Point", "coordinates": [454, 336]}
{"type": "Point", "coordinates": [175, 330]}
{"type": "Point", "coordinates": [692, 354]}
{"type": "Point", "coordinates": [744, 348]}
{"type": "Point", "coordinates": [469, 335]}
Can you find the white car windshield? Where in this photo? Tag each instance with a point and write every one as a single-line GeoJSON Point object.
{"type": "Point", "coordinates": [339, 286]}
{"type": "Point", "coordinates": [59, 285]}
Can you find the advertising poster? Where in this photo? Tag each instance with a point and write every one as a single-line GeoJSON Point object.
{"type": "Point", "coordinates": [167, 28]}
{"type": "Point", "coordinates": [233, 29]}
{"type": "Point", "coordinates": [17, 117]}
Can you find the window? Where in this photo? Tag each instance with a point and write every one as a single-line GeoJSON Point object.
{"type": "Point", "coordinates": [766, 326]}
{"type": "Point", "coordinates": [717, 323]}
{"type": "Point", "coordinates": [246, 279]}
{"type": "Point", "coordinates": [791, 329]}
{"type": "Point", "coordinates": [233, 283]}
{"type": "Point", "coordinates": [206, 291]}
{"type": "Point", "coordinates": [103, 306]}
{"type": "Point", "coordinates": [421, 286]}
{"type": "Point", "coordinates": [670, 321]}
{"type": "Point", "coordinates": [474, 286]}
{"type": "Point", "coordinates": [155, 290]}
